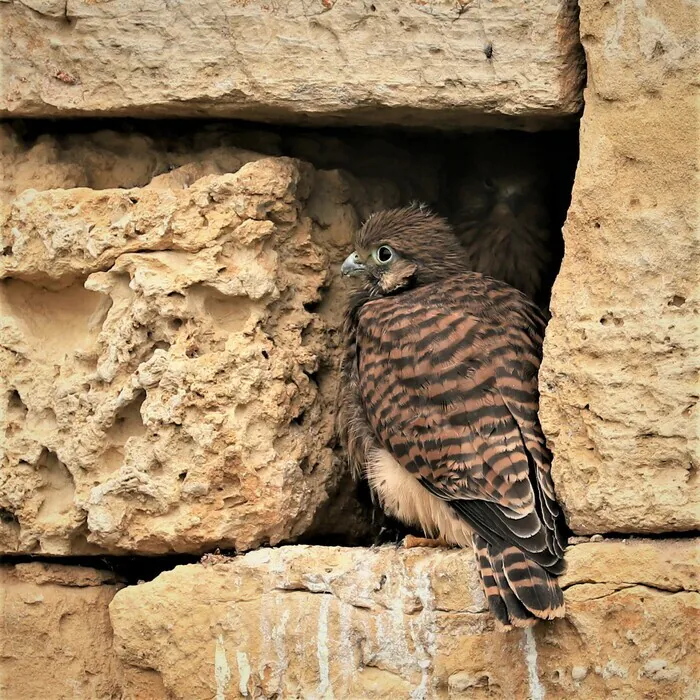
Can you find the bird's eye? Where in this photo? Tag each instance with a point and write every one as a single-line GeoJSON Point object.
{"type": "Point", "coordinates": [384, 254]}
{"type": "Point", "coordinates": [489, 184]}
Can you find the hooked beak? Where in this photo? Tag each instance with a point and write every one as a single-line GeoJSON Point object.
{"type": "Point", "coordinates": [352, 266]}
{"type": "Point", "coordinates": [513, 197]}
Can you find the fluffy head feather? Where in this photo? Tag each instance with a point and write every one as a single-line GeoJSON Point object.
{"type": "Point", "coordinates": [404, 248]}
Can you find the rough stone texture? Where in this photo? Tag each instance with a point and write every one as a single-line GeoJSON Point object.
{"type": "Point", "coordinates": [164, 385]}
{"type": "Point", "coordinates": [437, 63]}
{"type": "Point", "coordinates": [394, 623]}
{"type": "Point", "coordinates": [619, 380]}
{"type": "Point", "coordinates": [55, 633]}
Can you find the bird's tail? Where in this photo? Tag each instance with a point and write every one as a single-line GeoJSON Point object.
{"type": "Point", "coordinates": [518, 590]}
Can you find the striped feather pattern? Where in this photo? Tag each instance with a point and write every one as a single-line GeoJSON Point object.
{"type": "Point", "coordinates": [443, 376]}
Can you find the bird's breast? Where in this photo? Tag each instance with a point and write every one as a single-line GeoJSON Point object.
{"type": "Point", "coordinates": [402, 496]}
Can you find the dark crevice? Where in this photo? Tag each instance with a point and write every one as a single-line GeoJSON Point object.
{"type": "Point", "coordinates": [312, 306]}
{"type": "Point", "coordinates": [371, 526]}
{"type": "Point", "coordinates": [8, 517]}
{"type": "Point", "coordinates": [128, 569]}
{"type": "Point", "coordinates": [622, 585]}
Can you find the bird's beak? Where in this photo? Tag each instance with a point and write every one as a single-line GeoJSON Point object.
{"type": "Point", "coordinates": [513, 197]}
{"type": "Point", "coordinates": [352, 266]}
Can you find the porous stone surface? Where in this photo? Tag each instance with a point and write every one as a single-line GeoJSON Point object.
{"type": "Point", "coordinates": [55, 633]}
{"type": "Point", "coordinates": [168, 361]}
{"type": "Point", "coordinates": [392, 623]}
{"type": "Point", "coordinates": [439, 63]}
{"type": "Point", "coordinates": [619, 381]}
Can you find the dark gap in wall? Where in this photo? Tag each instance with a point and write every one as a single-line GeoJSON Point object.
{"type": "Point", "coordinates": [481, 180]}
{"type": "Point", "coordinates": [354, 519]}
{"type": "Point", "coordinates": [128, 569]}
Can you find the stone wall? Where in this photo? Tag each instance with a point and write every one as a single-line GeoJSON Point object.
{"type": "Point", "coordinates": [56, 637]}
{"type": "Point", "coordinates": [619, 380]}
{"type": "Point", "coordinates": [169, 312]}
{"type": "Point", "coordinates": [399, 624]}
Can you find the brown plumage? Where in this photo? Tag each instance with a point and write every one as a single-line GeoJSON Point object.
{"type": "Point", "coordinates": [500, 210]}
{"type": "Point", "coordinates": [439, 407]}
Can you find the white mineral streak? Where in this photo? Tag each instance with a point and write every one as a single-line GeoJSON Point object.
{"type": "Point", "coordinates": [405, 632]}
{"type": "Point", "coordinates": [273, 657]}
{"type": "Point", "coordinates": [393, 651]}
{"type": "Point", "coordinates": [345, 643]}
{"type": "Point", "coordinates": [222, 672]}
{"type": "Point", "coordinates": [243, 672]}
{"type": "Point", "coordinates": [533, 678]}
{"type": "Point", "coordinates": [325, 690]}
{"type": "Point", "coordinates": [278, 640]}
{"type": "Point", "coordinates": [267, 613]}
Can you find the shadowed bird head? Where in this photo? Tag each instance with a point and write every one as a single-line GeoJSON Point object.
{"type": "Point", "coordinates": [403, 248]}
{"type": "Point", "coordinates": [500, 185]}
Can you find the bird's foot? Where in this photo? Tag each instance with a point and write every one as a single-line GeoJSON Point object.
{"type": "Point", "coordinates": [409, 542]}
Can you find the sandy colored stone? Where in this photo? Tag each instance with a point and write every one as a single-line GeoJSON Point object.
{"type": "Point", "coordinates": [669, 565]}
{"type": "Point", "coordinates": [55, 633]}
{"type": "Point", "coordinates": [619, 381]}
{"type": "Point", "coordinates": [395, 623]}
{"type": "Point", "coordinates": [439, 63]}
{"type": "Point", "coordinates": [165, 387]}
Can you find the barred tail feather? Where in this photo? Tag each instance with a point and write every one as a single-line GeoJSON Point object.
{"type": "Point", "coordinates": [489, 585]}
{"type": "Point", "coordinates": [518, 590]}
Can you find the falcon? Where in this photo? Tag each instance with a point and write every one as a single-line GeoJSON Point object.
{"type": "Point", "coordinates": [438, 407]}
{"type": "Point", "coordinates": [501, 216]}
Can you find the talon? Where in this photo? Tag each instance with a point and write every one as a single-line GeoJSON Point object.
{"type": "Point", "coordinates": [410, 541]}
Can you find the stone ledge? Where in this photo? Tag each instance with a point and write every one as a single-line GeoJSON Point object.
{"type": "Point", "coordinates": [394, 623]}
{"type": "Point", "coordinates": [437, 64]}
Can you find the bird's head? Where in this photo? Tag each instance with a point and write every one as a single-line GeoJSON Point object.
{"type": "Point", "coordinates": [398, 249]}
{"type": "Point", "coordinates": [500, 183]}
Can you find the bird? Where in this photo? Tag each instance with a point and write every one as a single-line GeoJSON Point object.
{"type": "Point", "coordinates": [437, 407]}
{"type": "Point", "coordinates": [500, 191]}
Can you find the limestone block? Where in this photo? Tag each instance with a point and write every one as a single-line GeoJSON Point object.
{"type": "Point", "coordinates": [439, 63]}
{"type": "Point", "coordinates": [167, 363]}
{"type": "Point", "coordinates": [619, 381]}
{"type": "Point", "coordinates": [55, 633]}
{"type": "Point", "coordinates": [391, 623]}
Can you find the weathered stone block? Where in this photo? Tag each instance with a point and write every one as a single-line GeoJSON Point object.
{"type": "Point", "coordinates": [55, 633]}
{"type": "Point", "coordinates": [393, 623]}
{"type": "Point", "coordinates": [619, 381]}
{"type": "Point", "coordinates": [166, 380]}
{"type": "Point", "coordinates": [443, 63]}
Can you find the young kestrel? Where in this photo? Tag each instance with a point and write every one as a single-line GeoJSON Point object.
{"type": "Point", "coordinates": [439, 404]}
{"type": "Point", "coordinates": [501, 213]}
